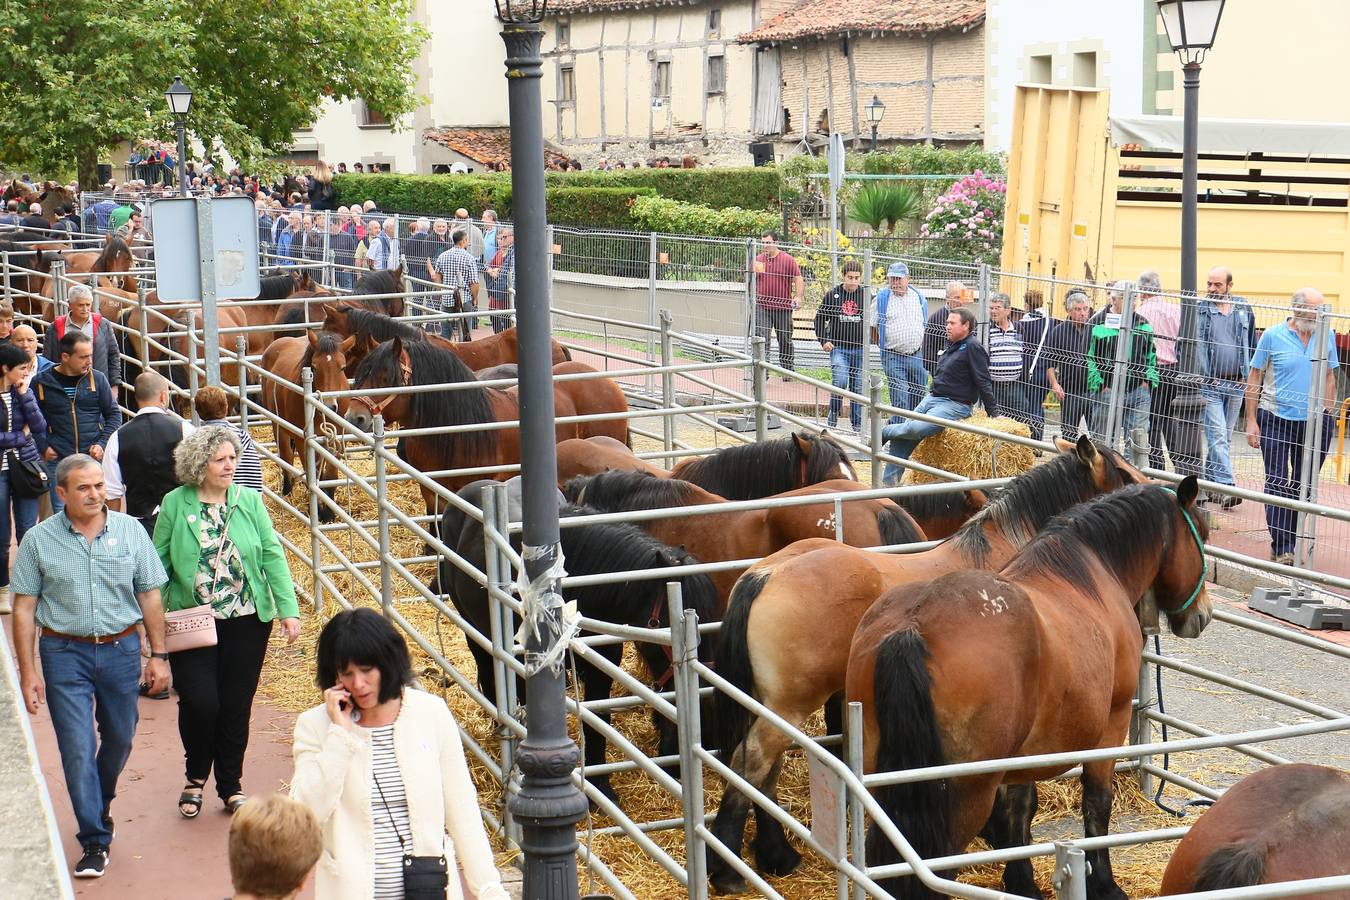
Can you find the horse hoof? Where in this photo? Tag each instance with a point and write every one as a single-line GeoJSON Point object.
{"type": "Point", "coordinates": [728, 883]}
{"type": "Point", "coordinates": [782, 861]}
{"type": "Point", "coordinates": [604, 787]}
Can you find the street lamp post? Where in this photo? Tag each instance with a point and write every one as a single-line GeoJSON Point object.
{"type": "Point", "coordinates": [179, 96]}
{"type": "Point", "coordinates": [1191, 28]}
{"type": "Point", "coordinates": [548, 805]}
{"type": "Point", "coordinates": [875, 111]}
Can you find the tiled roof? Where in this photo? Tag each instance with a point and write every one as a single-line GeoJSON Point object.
{"type": "Point", "coordinates": [566, 7]}
{"type": "Point", "coordinates": [484, 145]}
{"type": "Point", "coordinates": [817, 18]}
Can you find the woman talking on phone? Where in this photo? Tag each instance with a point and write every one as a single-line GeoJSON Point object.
{"type": "Point", "coordinates": [381, 764]}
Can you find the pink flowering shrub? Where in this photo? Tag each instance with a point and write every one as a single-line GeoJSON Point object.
{"type": "Point", "coordinates": [966, 223]}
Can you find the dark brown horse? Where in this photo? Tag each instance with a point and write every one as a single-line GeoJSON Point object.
{"type": "Point", "coordinates": [1042, 657]}
{"type": "Point", "coordinates": [822, 589]}
{"type": "Point", "coordinates": [747, 533]}
{"type": "Point", "coordinates": [1285, 823]}
{"type": "Point", "coordinates": [388, 283]}
{"type": "Point", "coordinates": [398, 363]}
{"type": "Point", "coordinates": [286, 358]}
{"type": "Point", "coordinates": [371, 327]}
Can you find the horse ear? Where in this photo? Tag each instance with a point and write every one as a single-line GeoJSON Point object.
{"type": "Point", "coordinates": [1086, 450]}
{"type": "Point", "coordinates": [348, 344]}
{"type": "Point", "coordinates": [313, 336]}
{"type": "Point", "coordinates": [1062, 445]}
{"type": "Point", "coordinates": [803, 442]}
{"type": "Point", "coordinates": [1188, 490]}
{"type": "Point", "coordinates": [398, 347]}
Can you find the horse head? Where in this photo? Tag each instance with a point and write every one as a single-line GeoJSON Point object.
{"type": "Point", "coordinates": [1188, 608]}
{"type": "Point", "coordinates": [1109, 469]}
{"type": "Point", "coordinates": [335, 318]}
{"type": "Point", "coordinates": [388, 366]}
{"type": "Point", "coordinates": [823, 458]}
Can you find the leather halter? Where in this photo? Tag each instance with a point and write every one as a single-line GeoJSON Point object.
{"type": "Point", "coordinates": [654, 621]}
{"type": "Point", "coordinates": [376, 408]}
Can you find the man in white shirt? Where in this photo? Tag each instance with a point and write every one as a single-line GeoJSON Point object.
{"type": "Point", "coordinates": [899, 312]}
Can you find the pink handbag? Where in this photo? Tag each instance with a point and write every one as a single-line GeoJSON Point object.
{"type": "Point", "coordinates": [188, 629]}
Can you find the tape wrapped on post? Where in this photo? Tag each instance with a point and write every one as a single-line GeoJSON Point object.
{"type": "Point", "coordinates": [543, 605]}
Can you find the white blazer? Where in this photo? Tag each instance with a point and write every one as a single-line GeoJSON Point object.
{"type": "Point", "coordinates": [332, 777]}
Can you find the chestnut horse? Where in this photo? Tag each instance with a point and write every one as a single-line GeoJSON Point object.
{"type": "Point", "coordinates": [286, 358]}
{"type": "Point", "coordinates": [821, 589]}
{"type": "Point", "coordinates": [371, 328]}
{"type": "Point", "coordinates": [1284, 823]}
{"type": "Point", "coordinates": [399, 363]}
{"type": "Point", "coordinates": [735, 472]}
{"type": "Point", "coordinates": [741, 534]}
{"type": "Point", "coordinates": [1042, 657]}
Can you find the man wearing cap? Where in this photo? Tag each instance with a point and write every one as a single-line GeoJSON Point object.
{"type": "Point", "coordinates": [900, 313]}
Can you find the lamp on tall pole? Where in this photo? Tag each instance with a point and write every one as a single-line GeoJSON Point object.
{"type": "Point", "coordinates": [179, 96]}
{"type": "Point", "coordinates": [875, 111]}
{"type": "Point", "coordinates": [548, 805]}
{"type": "Point", "coordinates": [1191, 28]}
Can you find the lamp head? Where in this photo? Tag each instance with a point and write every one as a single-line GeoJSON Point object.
{"type": "Point", "coordinates": [179, 96]}
{"type": "Point", "coordinates": [1191, 26]}
{"type": "Point", "coordinates": [521, 12]}
{"type": "Point", "coordinates": [875, 110]}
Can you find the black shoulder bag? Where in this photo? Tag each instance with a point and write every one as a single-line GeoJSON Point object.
{"type": "Point", "coordinates": [424, 877]}
{"type": "Point", "coordinates": [27, 478]}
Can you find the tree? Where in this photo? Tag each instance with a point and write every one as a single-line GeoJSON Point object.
{"type": "Point", "coordinates": [81, 76]}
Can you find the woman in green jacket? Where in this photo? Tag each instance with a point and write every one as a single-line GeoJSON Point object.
{"type": "Point", "coordinates": [216, 541]}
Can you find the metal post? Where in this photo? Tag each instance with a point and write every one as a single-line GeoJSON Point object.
{"type": "Point", "coordinates": [982, 304]}
{"type": "Point", "coordinates": [866, 362]}
{"type": "Point", "coordinates": [651, 303]}
{"type": "Point", "coordinates": [683, 651]}
{"type": "Point", "coordinates": [194, 376]}
{"type": "Point", "coordinates": [1141, 728]}
{"type": "Point", "coordinates": [839, 519]}
{"type": "Point", "coordinates": [761, 390]}
{"type": "Point", "coordinates": [874, 439]}
{"type": "Point", "coordinates": [145, 324]}
{"type": "Point", "coordinates": [1124, 344]}
{"type": "Point", "coordinates": [8, 287]}
{"type": "Point", "coordinates": [241, 351]}
{"type": "Point", "coordinates": [874, 137]}
{"type": "Point", "coordinates": [1070, 879]}
{"type": "Point", "coordinates": [326, 273]}
{"type": "Point", "coordinates": [210, 322]}
{"type": "Point", "coordinates": [182, 156]}
{"type": "Point", "coordinates": [548, 805]}
{"type": "Point", "coordinates": [857, 824]}
{"type": "Point", "coordinates": [834, 233]}
{"type": "Point", "coordinates": [315, 547]}
{"type": "Point", "coordinates": [57, 274]}
{"type": "Point", "coordinates": [1305, 529]}
{"type": "Point", "coordinates": [1188, 404]}
{"type": "Point", "coordinates": [496, 575]}
{"type": "Point", "coordinates": [382, 515]}
{"type": "Point", "coordinates": [667, 386]}
{"type": "Point", "coordinates": [508, 701]}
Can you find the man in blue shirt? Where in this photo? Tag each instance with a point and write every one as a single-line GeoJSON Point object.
{"type": "Point", "coordinates": [1279, 384]}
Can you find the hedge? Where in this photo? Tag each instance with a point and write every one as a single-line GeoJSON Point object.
{"type": "Point", "coordinates": [745, 187]}
{"type": "Point", "coordinates": [431, 194]}
{"type": "Point", "coordinates": [674, 217]}
{"type": "Point", "coordinates": [595, 207]}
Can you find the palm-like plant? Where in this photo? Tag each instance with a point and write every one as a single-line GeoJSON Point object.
{"type": "Point", "coordinates": [885, 206]}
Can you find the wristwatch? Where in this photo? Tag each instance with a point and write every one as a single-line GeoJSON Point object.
{"type": "Point", "coordinates": [163, 656]}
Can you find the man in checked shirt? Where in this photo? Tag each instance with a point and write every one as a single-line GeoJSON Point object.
{"type": "Point", "coordinates": [457, 269]}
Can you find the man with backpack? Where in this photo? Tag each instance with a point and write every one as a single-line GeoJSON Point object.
{"type": "Point", "coordinates": [83, 319]}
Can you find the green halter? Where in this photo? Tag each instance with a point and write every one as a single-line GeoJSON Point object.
{"type": "Point", "coordinates": [1199, 545]}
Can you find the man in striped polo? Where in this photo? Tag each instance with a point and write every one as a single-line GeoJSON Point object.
{"type": "Point", "coordinates": [1005, 359]}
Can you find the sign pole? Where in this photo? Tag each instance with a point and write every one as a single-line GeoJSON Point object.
{"type": "Point", "coordinates": [207, 259]}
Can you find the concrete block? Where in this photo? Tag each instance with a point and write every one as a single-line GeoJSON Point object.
{"type": "Point", "coordinates": [1283, 603]}
{"type": "Point", "coordinates": [747, 423]}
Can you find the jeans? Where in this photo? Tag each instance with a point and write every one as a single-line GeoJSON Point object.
{"type": "Point", "coordinates": [464, 326]}
{"type": "Point", "coordinates": [1223, 401]}
{"type": "Point", "coordinates": [1011, 397]}
{"type": "Point", "coordinates": [22, 518]}
{"type": "Point", "coordinates": [215, 696]}
{"type": "Point", "coordinates": [1134, 419]}
{"type": "Point", "coordinates": [779, 322]}
{"type": "Point", "coordinates": [906, 379]}
{"type": "Point", "coordinates": [57, 504]}
{"type": "Point", "coordinates": [905, 436]}
{"type": "Point", "coordinates": [1033, 402]}
{"type": "Point", "coordinates": [90, 684]}
{"type": "Point", "coordinates": [345, 279]}
{"type": "Point", "coordinates": [846, 372]}
{"type": "Point", "coordinates": [1282, 455]}
{"type": "Point", "coordinates": [500, 322]}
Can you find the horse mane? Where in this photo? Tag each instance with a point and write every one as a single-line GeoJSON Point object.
{"type": "Point", "coordinates": [764, 468]}
{"type": "Point", "coordinates": [275, 287]}
{"type": "Point", "coordinates": [621, 490]}
{"type": "Point", "coordinates": [112, 251]}
{"type": "Point", "coordinates": [1021, 508]}
{"type": "Point", "coordinates": [929, 506]}
{"type": "Point", "coordinates": [327, 342]}
{"type": "Point", "coordinates": [431, 364]}
{"type": "Point", "coordinates": [385, 281]}
{"type": "Point", "coordinates": [369, 323]}
{"type": "Point", "coordinates": [1120, 529]}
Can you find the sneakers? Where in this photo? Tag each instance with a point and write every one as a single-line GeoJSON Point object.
{"type": "Point", "coordinates": [1285, 559]}
{"type": "Point", "coordinates": [1223, 501]}
{"type": "Point", "coordinates": [93, 864]}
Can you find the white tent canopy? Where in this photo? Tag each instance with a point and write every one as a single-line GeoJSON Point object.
{"type": "Point", "coordinates": [1306, 139]}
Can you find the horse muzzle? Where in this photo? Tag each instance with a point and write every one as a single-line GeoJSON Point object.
{"type": "Point", "coordinates": [360, 418]}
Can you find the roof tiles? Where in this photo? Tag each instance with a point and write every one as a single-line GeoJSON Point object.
{"type": "Point", "coordinates": [484, 145]}
{"type": "Point", "coordinates": [817, 18]}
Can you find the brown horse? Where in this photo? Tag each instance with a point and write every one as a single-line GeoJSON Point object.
{"type": "Point", "coordinates": [742, 534]}
{"type": "Point", "coordinates": [942, 515]}
{"type": "Point", "coordinates": [1284, 823]}
{"type": "Point", "coordinates": [822, 589]}
{"type": "Point", "coordinates": [286, 358]}
{"type": "Point", "coordinates": [388, 283]}
{"type": "Point", "coordinates": [398, 363]}
{"type": "Point", "coordinates": [1042, 657]}
{"type": "Point", "coordinates": [371, 328]}
{"type": "Point", "coordinates": [736, 472]}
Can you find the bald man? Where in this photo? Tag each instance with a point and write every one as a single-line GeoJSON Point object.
{"type": "Point", "coordinates": [142, 450]}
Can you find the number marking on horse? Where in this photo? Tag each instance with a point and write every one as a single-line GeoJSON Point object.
{"type": "Point", "coordinates": [827, 523]}
{"type": "Point", "coordinates": [992, 606]}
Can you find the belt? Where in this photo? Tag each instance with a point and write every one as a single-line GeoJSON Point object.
{"type": "Point", "coordinates": [85, 639]}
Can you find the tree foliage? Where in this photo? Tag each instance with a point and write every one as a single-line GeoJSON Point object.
{"type": "Point", "coordinates": [80, 76]}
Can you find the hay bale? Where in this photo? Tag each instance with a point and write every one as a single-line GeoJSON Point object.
{"type": "Point", "coordinates": [973, 455]}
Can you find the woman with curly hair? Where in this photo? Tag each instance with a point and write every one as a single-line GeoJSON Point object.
{"type": "Point", "coordinates": [216, 541]}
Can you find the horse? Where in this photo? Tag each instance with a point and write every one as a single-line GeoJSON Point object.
{"type": "Point", "coordinates": [942, 515]}
{"type": "Point", "coordinates": [591, 456]}
{"type": "Point", "coordinates": [24, 254]}
{"type": "Point", "coordinates": [286, 358]}
{"type": "Point", "coordinates": [386, 282]}
{"type": "Point", "coordinates": [1042, 657]}
{"type": "Point", "coordinates": [1284, 823]}
{"type": "Point", "coordinates": [592, 549]}
{"type": "Point", "coordinates": [720, 536]}
{"type": "Point", "coordinates": [819, 590]}
{"type": "Point", "coordinates": [399, 363]}
{"type": "Point", "coordinates": [371, 326]}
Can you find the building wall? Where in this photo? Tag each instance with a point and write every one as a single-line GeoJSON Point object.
{"type": "Point", "coordinates": [932, 86]}
{"type": "Point", "coordinates": [613, 57]}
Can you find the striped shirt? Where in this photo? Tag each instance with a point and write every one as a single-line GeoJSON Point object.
{"type": "Point", "coordinates": [9, 418]}
{"type": "Point", "coordinates": [1005, 353]}
{"type": "Point", "coordinates": [87, 588]}
{"type": "Point", "coordinates": [248, 469]}
{"type": "Point", "coordinates": [388, 815]}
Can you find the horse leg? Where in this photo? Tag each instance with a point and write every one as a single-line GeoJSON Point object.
{"type": "Point", "coordinates": [1010, 826]}
{"type": "Point", "coordinates": [834, 719]}
{"type": "Point", "coordinates": [773, 854]}
{"type": "Point", "coordinates": [753, 760]}
{"type": "Point", "coordinates": [596, 685]}
{"type": "Point", "coordinates": [1097, 791]}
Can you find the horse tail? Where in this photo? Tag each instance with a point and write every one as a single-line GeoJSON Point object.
{"type": "Point", "coordinates": [731, 719]}
{"type": "Point", "coordinates": [567, 354]}
{"type": "Point", "coordinates": [1230, 866]}
{"type": "Point", "coordinates": [909, 739]}
{"type": "Point", "coordinates": [897, 526]}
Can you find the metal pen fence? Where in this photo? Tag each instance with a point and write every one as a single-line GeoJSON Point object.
{"type": "Point", "coordinates": [368, 570]}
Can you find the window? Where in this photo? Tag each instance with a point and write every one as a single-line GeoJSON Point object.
{"type": "Point", "coordinates": [714, 23]}
{"type": "Point", "coordinates": [1085, 70]}
{"type": "Point", "coordinates": [567, 84]}
{"type": "Point", "coordinates": [373, 118]}
{"type": "Point", "coordinates": [661, 79]}
{"type": "Point", "coordinates": [1041, 70]}
{"type": "Point", "coordinates": [564, 34]}
{"type": "Point", "coordinates": [717, 74]}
